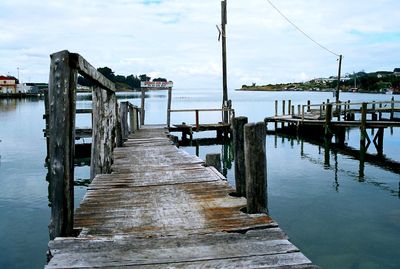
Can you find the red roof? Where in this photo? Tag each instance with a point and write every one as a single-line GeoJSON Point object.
{"type": "Point", "coordinates": [6, 78]}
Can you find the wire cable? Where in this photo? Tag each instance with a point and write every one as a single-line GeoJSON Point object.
{"type": "Point", "coordinates": [301, 31]}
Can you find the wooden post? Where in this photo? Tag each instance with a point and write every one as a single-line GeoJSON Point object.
{"type": "Point", "coordinates": [308, 106]}
{"type": "Point", "coordinates": [380, 113]}
{"type": "Point", "coordinates": [103, 131]}
{"type": "Point", "coordinates": [118, 129]}
{"type": "Point", "coordinates": [293, 112]}
{"type": "Point", "coordinates": [142, 110]}
{"type": "Point", "coordinates": [392, 109]}
{"type": "Point", "coordinates": [238, 147]}
{"type": "Point", "coordinates": [214, 159]}
{"type": "Point", "coordinates": [197, 119]}
{"type": "Point", "coordinates": [256, 168]}
{"type": "Point", "coordinates": [62, 106]}
{"type": "Point", "coordinates": [276, 108]}
{"type": "Point", "coordinates": [283, 107]}
{"type": "Point", "coordinates": [124, 120]}
{"type": "Point", "coordinates": [132, 118]}
{"type": "Point", "coordinates": [169, 107]}
{"type": "Point", "coordinates": [299, 110]}
{"type": "Point", "coordinates": [289, 107]}
{"type": "Point", "coordinates": [338, 83]}
{"type": "Point", "coordinates": [328, 120]}
{"type": "Point", "coordinates": [224, 69]}
{"type": "Point", "coordinates": [363, 134]}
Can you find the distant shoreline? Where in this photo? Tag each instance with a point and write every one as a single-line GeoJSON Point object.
{"type": "Point", "coordinates": [262, 89]}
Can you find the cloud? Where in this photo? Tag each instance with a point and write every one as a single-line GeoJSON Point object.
{"type": "Point", "coordinates": [178, 39]}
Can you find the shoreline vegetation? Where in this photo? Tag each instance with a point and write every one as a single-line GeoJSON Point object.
{"type": "Point", "coordinates": [376, 82]}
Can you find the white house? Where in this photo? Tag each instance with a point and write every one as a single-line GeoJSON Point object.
{"type": "Point", "coordinates": [8, 84]}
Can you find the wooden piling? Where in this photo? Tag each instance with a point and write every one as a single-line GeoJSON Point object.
{"type": "Point", "coordinates": [133, 118]}
{"type": "Point", "coordinates": [363, 134]}
{"type": "Point", "coordinates": [308, 105]}
{"type": "Point", "coordinates": [276, 108]}
{"type": "Point", "coordinates": [214, 159]}
{"type": "Point", "coordinates": [289, 107]}
{"type": "Point", "coordinates": [238, 146]}
{"type": "Point", "coordinates": [103, 131]}
{"type": "Point", "coordinates": [123, 114]}
{"type": "Point", "coordinates": [293, 112]}
{"type": "Point", "coordinates": [328, 120]}
{"type": "Point", "coordinates": [283, 108]}
{"type": "Point", "coordinates": [392, 109]}
{"type": "Point", "coordinates": [62, 106]}
{"type": "Point", "coordinates": [169, 107]}
{"type": "Point", "coordinates": [256, 167]}
{"type": "Point", "coordinates": [142, 110]}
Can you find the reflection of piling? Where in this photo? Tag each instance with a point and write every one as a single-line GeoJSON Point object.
{"type": "Point", "coordinates": [238, 144]}
{"type": "Point", "coordinates": [256, 167]}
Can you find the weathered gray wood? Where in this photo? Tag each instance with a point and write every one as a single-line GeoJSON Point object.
{"type": "Point", "coordinates": [224, 61]}
{"type": "Point", "coordinates": [238, 147]}
{"type": "Point", "coordinates": [89, 72]}
{"type": "Point", "coordinates": [214, 159]}
{"type": "Point", "coordinates": [169, 107]}
{"type": "Point", "coordinates": [118, 128]}
{"type": "Point", "coordinates": [123, 116]}
{"type": "Point", "coordinates": [328, 120]}
{"type": "Point", "coordinates": [62, 91]}
{"type": "Point", "coordinates": [104, 131]}
{"type": "Point", "coordinates": [142, 107]}
{"type": "Point", "coordinates": [256, 167]}
{"type": "Point", "coordinates": [133, 118]}
{"type": "Point", "coordinates": [289, 107]}
{"type": "Point", "coordinates": [179, 215]}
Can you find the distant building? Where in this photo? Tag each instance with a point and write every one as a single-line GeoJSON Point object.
{"type": "Point", "coordinates": [8, 84]}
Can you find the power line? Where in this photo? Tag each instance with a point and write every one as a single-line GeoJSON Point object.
{"type": "Point", "coordinates": [301, 31]}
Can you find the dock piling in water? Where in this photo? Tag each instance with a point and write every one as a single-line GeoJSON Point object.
{"type": "Point", "coordinates": [238, 146]}
{"type": "Point", "coordinates": [256, 167]}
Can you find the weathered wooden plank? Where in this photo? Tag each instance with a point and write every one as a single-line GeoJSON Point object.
{"type": "Point", "coordinates": [89, 72]}
{"type": "Point", "coordinates": [162, 208]}
{"type": "Point", "coordinates": [131, 251]}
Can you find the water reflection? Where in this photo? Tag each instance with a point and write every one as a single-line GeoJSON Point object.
{"type": "Point", "coordinates": [336, 154]}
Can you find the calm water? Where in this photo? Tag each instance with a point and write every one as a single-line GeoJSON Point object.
{"type": "Point", "coordinates": [338, 219]}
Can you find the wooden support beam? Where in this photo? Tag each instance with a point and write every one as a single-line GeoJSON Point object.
{"type": "Point", "coordinates": [142, 110]}
{"type": "Point", "coordinates": [238, 147]}
{"type": "Point", "coordinates": [89, 72]}
{"type": "Point", "coordinates": [378, 141]}
{"type": "Point", "coordinates": [123, 109]}
{"type": "Point", "coordinates": [104, 131]}
{"type": "Point", "coordinates": [256, 167]}
{"type": "Point", "coordinates": [169, 107]}
{"type": "Point", "coordinates": [328, 120]}
{"type": "Point", "coordinates": [62, 94]}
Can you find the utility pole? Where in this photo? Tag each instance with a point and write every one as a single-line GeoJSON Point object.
{"type": "Point", "coordinates": [339, 74]}
{"type": "Point", "coordinates": [224, 72]}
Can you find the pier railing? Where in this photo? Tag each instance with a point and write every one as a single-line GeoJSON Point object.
{"type": "Point", "coordinates": [229, 111]}
{"type": "Point", "coordinates": [349, 109]}
{"type": "Point", "coordinates": [110, 127]}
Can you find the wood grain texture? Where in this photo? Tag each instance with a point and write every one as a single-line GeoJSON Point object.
{"type": "Point", "coordinates": [161, 208]}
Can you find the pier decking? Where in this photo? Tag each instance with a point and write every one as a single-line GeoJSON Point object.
{"type": "Point", "coordinates": [162, 208]}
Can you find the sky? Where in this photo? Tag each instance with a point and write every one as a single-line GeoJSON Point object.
{"type": "Point", "coordinates": [178, 39]}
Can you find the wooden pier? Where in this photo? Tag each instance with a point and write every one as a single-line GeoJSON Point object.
{"type": "Point", "coordinates": [150, 204]}
{"type": "Point", "coordinates": [161, 208]}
